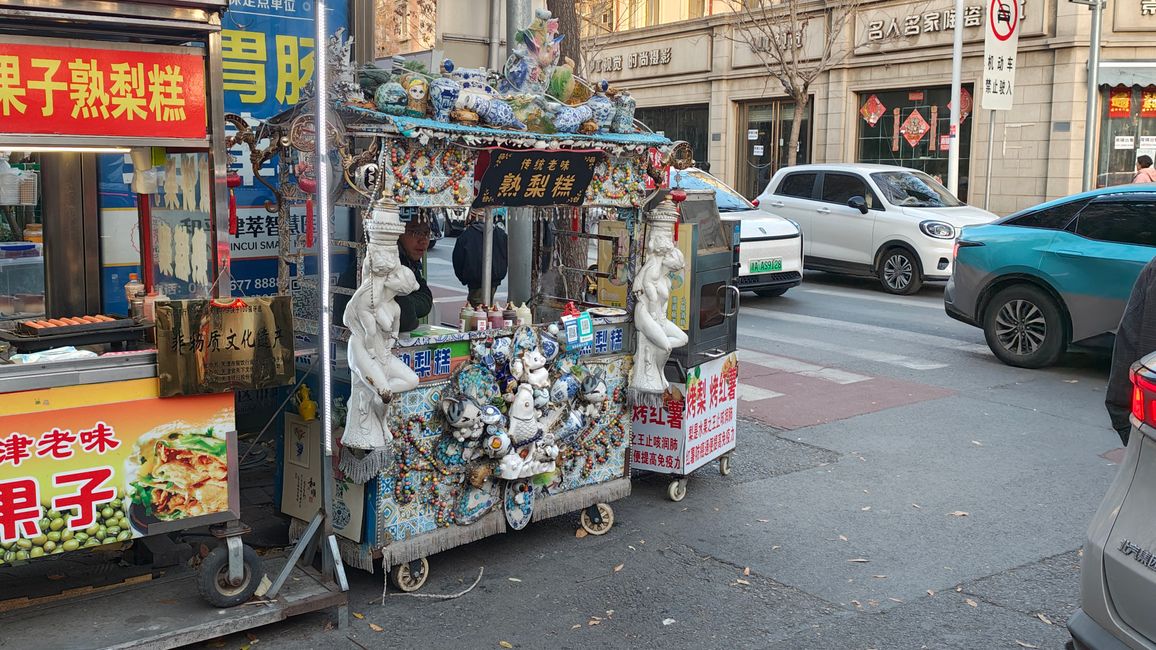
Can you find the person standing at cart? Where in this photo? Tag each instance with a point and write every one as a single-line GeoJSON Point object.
{"type": "Point", "coordinates": [468, 258]}
{"type": "Point", "coordinates": [412, 245]}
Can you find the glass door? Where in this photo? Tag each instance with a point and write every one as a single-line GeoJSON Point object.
{"type": "Point", "coordinates": [763, 143]}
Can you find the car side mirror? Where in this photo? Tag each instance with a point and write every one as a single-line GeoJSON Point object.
{"type": "Point", "coordinates": [859, 203]}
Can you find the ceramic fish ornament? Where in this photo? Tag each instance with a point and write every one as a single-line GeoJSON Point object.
{"type": "Point", "coordinates": [569, 119]}
{"type": "Point", "coordinates": [491, 110]}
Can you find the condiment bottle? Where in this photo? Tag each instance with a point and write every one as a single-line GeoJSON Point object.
{"type": "Point", "coordinates": [132, 288]}
{"type": "Point", "coordinates": [495, 316]}
{"type": "Point", "coordinates": [481, 318]}
{"type": "Point", "coordinates": [510, 315]}
{"type": "Point", "coordinates": [136, 305]}
{"type": "Point", "coordinates": [466, 318]}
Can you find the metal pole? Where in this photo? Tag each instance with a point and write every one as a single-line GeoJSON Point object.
{"type": "Point", "coordinates": [990, 157]}
{"type": "Point", "coordinates": [956, 75]}
{"type": "Point", "coordinates": [488, 256]}
{"type": "Point", "coordinates": [519, 221]}
{"type": "Point", "coordinates": [1091, 118]}
{"type": "Point", "coordinates": [495, 34]}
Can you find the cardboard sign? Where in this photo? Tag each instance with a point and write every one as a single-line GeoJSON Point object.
{"type": "Point", "coordinates": [82, 466]}
{"type": "Point", "coordinates": [205, 346]}
{"type": "Point", "coordinates": [534, 178]}
{"type": "Point", "coordinates": [66, 87]}
{"type": "Point", "coordinates": [301, 484]}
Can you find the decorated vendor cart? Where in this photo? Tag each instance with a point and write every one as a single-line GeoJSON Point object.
{"type": "Point", "coordinates": [474, 425]}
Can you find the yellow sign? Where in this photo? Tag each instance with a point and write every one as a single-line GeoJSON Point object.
{"type": "Point", "coordinates": [679, 310]}
{"type": "Point", "coordinates": [614, 258]}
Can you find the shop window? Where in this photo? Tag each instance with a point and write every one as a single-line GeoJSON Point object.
{"type": "Point", "coordinates": [799, 185]}
{"type": "Point", "coordinates": [1123, 222]}
{"type": "Point", "coordinates": [910, 128]}
{"type": "Point", "coordinates": [1127, 131]}
{"type": "Point", "coordinates": [687, 123]}
{"type": "Point", "coordinates": [764, 142]}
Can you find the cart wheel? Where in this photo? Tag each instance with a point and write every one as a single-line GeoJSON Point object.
{"type": "Point", "coordinates": [410, 576]}
{"type": "Point", "coordinates": [724, 465]}
{"type": "Point", "coordinates": [676, 491]}
{"type": "Point", "coordinates": [213, 577]}
{"type": "Point", "coordinates": [605, 514]}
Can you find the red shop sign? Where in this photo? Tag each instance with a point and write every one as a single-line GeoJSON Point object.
{"type": "Point", "coordinates": [1148, 102]}
{"type": "Point", "coordinates": [55, 87]}
{"type": "Point", "coordinates": [1120, 102]}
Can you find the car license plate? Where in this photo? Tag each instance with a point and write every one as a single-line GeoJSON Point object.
{"type": "Point", "coordinates": [769, 265]}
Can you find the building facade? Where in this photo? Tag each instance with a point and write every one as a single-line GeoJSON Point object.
{"type": "Point", "coordinates": [887, 100]}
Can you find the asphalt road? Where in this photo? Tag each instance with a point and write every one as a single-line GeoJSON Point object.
{"type": "Point", "coordinates": [895, 486]}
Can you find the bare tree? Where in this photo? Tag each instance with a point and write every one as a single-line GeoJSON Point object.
{"type": "Point", "coordinates": [598, 19]}
{"type": "Point", "coordinates": [776, 32]}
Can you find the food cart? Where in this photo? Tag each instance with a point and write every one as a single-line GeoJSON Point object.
{"type": "Point", "coordinates": [98, 448]}
{"type": "Point", "coordinates": [696, 423]}
{"type": "Point", "coordinates": [476, 425]}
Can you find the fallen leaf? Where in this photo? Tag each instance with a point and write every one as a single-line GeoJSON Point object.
{"type": "Point", "coordinates": [1024, 644]}
{"type": "Point", "coordinates": [856, 603]}
{"type": "Point", "coordinates": [880, 577]}
{"type": "Point", "coordinates": [971, 602]}
{"type": "Point", "coordinates": [1045, 619]}
{"type": "Point", "coordinates": [763, 521]}
{"type": "Point", "coordinates": [609, 612]}
{"type": "Point", "coordinates": [252, 638]}
{"type": "Point", "coordinates": [842, 538]}
{"type": "Point", "coordinates": [1080, 553]}
{"type": "Point", "coordinates": [358, 615]}
{"type": "Point", "coordinates": [328, 626]}
{"type": "Point", "coordinates": [244, 646]}
{"type": "Point", "coordinates": [618, 568]}
{"type": "Point", "coordinates": [1071, 381]}
{"type": "Point", "coordinates": [959, 590]}
{"type": "Point", "coordinates": [577, 626]}
{"type": "Point", "coordinates": [775, 547]}
{"type": "Point", "coordinates": [917, 506]}
{"type": "Point", "coordinates": [631, 547]}
{"type": "Point", "coordinates": [580, 533]}
{"type": "Point", "coordinates": [977, 443]}
{"type": "Point", "coordinates": [376, 628]}
{"type": "Point", "coordinates": [55, 577]}
{"type": "Point", "coordinates": [930, 592]}
{"type": "Point", "coordinates": [742, 582]}
{"type": "Point", "coordinates": [668, 621]}
{"type": "Point", "coordinates": [514, 579]}
{"type": "Point", "coordinates": [959, 513]}
{"type": "Point", "coordinates": [593, 622]}
{"type": "Point", "coordinates": [865, 508]}
{"type": "Point", "coordinates": [505, 644]}
{"type": "Point", "coordinates": [859, 560]}
{"type": "Point", "coordinates": [747, 571]}
{"type": "Point", "coordinates": [895, 600]}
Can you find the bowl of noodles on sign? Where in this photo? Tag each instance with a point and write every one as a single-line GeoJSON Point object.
{"type": "Point", "coordinates": [179, 470]}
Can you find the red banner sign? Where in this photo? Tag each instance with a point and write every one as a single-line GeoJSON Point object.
{"type": "Point", "coordinates": [1120, 102]}
{"type": "Point", "coordinates": [56, 88]}
{"type": "Point", "coordinates": [1148, 102]}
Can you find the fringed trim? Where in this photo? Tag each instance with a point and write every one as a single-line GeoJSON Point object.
{"type": "Point", "coordinates": [358, 556]}
{"type": "Point", "coordinates": [640, 397]}
{"type": "Point", "coordinates": [362, 469]}
{"type": "Point", "coordinates": [554, 505]}
{"type": "Point", "coordinates": [436, 541]}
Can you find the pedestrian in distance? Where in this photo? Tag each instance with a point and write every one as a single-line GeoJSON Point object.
{"type": "Point", "coordinates": [1135, 338]}
{"type": "Point", "coordinates": [468, 258]}
{"type": "Point", "coordinates": [1145, 173]}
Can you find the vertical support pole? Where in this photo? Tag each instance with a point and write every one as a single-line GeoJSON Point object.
{"type": "Point", "coordinates": [956, 82]}
{"type": "Point", "coordinates": [488, 257]}
{"type": "Point", "coordinates": [219, 164]}
{"type": "Point", "coordinates": [990, 158]}
{"type": "Point", "coordinates": [1091, 117]}
{"type": "Point", "coordinates": [519, 221]}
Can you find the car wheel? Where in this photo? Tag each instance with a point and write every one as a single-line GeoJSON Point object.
{"type": "Point", "coordinates": [899, 272]}
{"type": "Point", "coordinates": [771, 293]}
{"type": "Point", "coordinates": [1024, 327]}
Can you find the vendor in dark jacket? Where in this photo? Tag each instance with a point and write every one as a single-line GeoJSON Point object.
{"type": "Point", "coordinates": [1135, 339]}
{"type": "Point", "coordinates": [468, 258]}
{"type": "Point", "coordinates": [411, 245]}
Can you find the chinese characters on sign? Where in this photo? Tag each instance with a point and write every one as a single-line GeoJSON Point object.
{"type": "Point", "coordinates": [528, 178]}
{"type": "Point", "coordinates": [55, 87]}
{"type": "Point", "coordinates": [1000, 42]}
{"type": "Point", "coordinates": [435, 363]}
{"type": "Point", "coordinates": [694, 426]}
{"type": "Point", "coordinates": [925, 23]}
{"type": "Point", "coordinates": [248, 66]}
{"type": "Point", "coordinates": [644, 59]}
{"type": "Point", "coordinates": [207, 347]}
{"type": "Point", "coordinates": [1120, 102]}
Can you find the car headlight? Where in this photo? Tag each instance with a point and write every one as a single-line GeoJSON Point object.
{"type": "Point", "coordinates": [937, 229]}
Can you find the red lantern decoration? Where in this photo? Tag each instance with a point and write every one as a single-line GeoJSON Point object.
{"type": "Point", "coordinates": [309, 222]}
{"type": "Point", "coordinates": [232, 213]}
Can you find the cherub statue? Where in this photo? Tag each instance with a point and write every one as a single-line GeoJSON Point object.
{"type": "Point", "coordinates": [657, 335]}
{"type": "Point", "coordinates": [373, 318]}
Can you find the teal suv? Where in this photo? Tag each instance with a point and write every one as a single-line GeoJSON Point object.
{"type": "Point", "coordinates": [1055, 275]}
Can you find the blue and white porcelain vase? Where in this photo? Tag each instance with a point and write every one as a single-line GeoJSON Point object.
{"type": "Point", "coordinates": [603, 108]}
{"type": "Point", "coordinates": [624, 106]}
{"type": "Point", "coordinates": [444, 92]}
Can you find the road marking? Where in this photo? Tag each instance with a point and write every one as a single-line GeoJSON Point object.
{"type": "Point", "coordinates": [797, 367]}
{"type": "Point", "coordinates": [891, 300]}
{"type": "Point", "coordinates": [889, 358]}
{"type": "Point", "coordinates": [755, 394]}
{"type": "Point", "coordinates": [873, 330]}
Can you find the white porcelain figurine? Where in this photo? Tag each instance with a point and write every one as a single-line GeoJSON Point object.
{"type": "Point", "coordinates": [373, 320]}
{"type": "Point", "coordinates": [657, 335]}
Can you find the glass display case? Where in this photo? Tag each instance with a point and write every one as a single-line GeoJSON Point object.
{"type": "Point", "coordinates": [21, 280]}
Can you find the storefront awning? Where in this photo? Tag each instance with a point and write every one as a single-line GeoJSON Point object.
{"type": "Point", "coordinates": [1127, 73]}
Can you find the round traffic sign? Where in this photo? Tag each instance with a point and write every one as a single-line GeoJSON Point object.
{"type": "Point", "coordinates": [1003, 17]}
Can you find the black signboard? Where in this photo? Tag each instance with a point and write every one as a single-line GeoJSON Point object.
{"type": "Point", "coordinates": [535, 178]}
